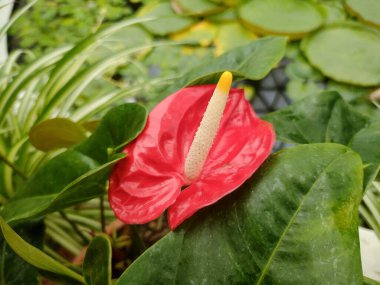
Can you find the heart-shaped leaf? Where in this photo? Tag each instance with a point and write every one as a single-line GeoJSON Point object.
{"type": "Point", "coordinates": [296, 219]}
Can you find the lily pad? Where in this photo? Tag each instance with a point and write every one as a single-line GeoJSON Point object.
{"type": "Point", "coordinates": [294, 18]}
{"type": "Point", "coordinates": [348, 53]}
{"type": "Point", "coordinates": [167, 20]}
{"type": "Point", "coordinates": [367, 11]}
{"type": "Point", "coordinates": [202, 33]}
{"type": "Point", "coordinates": [232, 35]}
{"type": "Point", "coordinates": [197, 7]}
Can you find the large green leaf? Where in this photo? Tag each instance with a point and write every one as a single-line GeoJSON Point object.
{"type": "Point", "coordinates": [97, 262]}
{"type": "Point", "coordinates": [346, 52]}
{"type": "Point", "coordinates": [294, 222]}
{"type": "Point", "coordinates": [325, 117]}
{"type": "Point", "coordinates": [294, 18]}
{"type": "Point", "coordinates": [78, 174]}
{"type": "Point", "coordinates": [197, 7]}
{"type": "Point", "coordinates": [33, 255]}
{"type": "Point", "coordinates": [252, 61]}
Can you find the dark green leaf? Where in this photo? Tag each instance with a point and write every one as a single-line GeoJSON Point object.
{"type": "Point", "coordinates": [366, 143]}
{"type": "Point", "coordinates": [118, 127]}
{"type": "Point", "coordinates": [97, 262]}
{"type": "Point", "coordinates": [318, 118]}
{"type": "Point", "coordinates": [56, 133]}
{"type": "Point", "coordinates": [33, 255]}
{"type": "Point", "coordinates": [294, 222]}
{"type": "Point", "coordinates": [346, 52]}
{"type": "Point", "coordinates": [252, 61]}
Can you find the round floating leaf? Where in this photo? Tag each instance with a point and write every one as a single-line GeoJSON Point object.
{"type": "Point", "coordinates": [347, 52]}
{"type": "Point", "coordinates": [228, 15]}
{"type": "Point", "coordinates": [168, 21]}
{"type": "Point", "coordinates": [367, 11]}
{"type": "Point", "coordinates": [232, 35]}
{"type": "Point", "coordinates": [56, 133]}
{"type": "Point", "coordinates": [197, 7]}
{"type": "Point", "coordinates": [294, 18]}
{"type": "Point", "coordinates": [333, 11]}
{"type": "Point", "coordinates": [202, 33]}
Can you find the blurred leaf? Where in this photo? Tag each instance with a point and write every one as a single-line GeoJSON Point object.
{"type": "Point", "coordinates": [346, 52]}
{"type": "Point", "coordinates": [202, 33]}
{"type": "Point", "coordinates": [320, 118]}
{"type": "Point", "coordinates": [168, 21]}
{"type": "Point", "coordinates": [13, 269]}
{"type": "Point", "coordinates": [56, 133]}
{"type": "Point", "coordinates": [367, 11]}
{"type": "Point", "coordinates": [294, 18]}
{"type": "Point", "coordinates": [369, 281]}
{"type": "Point", "coordinates": [333, 11]}
{"type": "Point", "coordinates": [232, 35]}
{"type": "Point", "coordinates": [97, 262]}
{"type": "Point", "coordinates": [91, 126]}
{"type": "Point", "coordinates": [295, 220]}
{"type": "Point", "coordinates": [197, 7]}
{"type": "Point", "coordinates": [297, 89]}
{"type": "Point", "coordinates": [33, 255]}
{"type": "Point", "coordinates": [228, 15]}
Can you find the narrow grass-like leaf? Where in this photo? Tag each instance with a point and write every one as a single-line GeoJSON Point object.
{"type": "Point", "coordinates": [33, 255]}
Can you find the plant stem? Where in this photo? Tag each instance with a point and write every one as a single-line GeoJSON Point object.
{"type": "Point", "coordinates": [14, 167]}
{"type": "Point", "coordinates": [74, 226]}
{"type": "Point", "coordinates": [137, 240]}
{"type": "Point", "coordinates": [102, 216]}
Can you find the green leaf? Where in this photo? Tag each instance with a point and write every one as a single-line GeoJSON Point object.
{"type": "Point", "coordinates": [294, 18]}
{"type": "Point", "coordinates": [97, 262]}
{"type": "Point", "coordinates": [366, 143]}
{"type": "Point", "coordinates": [197, 7]}
{"type": "Point", "coordinates": [167, 20]}
{"type": "Point", "coordinates": [119, 126]}
{"type": "Point", "coordinates": [56, 133]}
{"type": "Point", "coordinates": [366, 10]}
{"type": "Point", "coordinates": [253, 61]}
{"type": "Point", "coordinates": [78, 174]}
{"type": "Point", "coordinates": [13, 269]}
{"type": "Point", "coordinates": [33, 255]}
{"type": "Point", "coordinates": [232, 35]}
{"type": "Point", "coordinates": [369, 281]}
{"type": "Point", "coordinates": [347, 53]}
{"type": "Point", "coordinates": [295, 220]}
{"type": "Point", "coordinates": [320, 118]}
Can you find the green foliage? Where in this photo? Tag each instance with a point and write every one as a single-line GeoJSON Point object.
{"type": "Point", "coordinates": [293, 221]}
{"type": "Point", "coordinates": [50, 24]}
{"type": "Point", "coordinates": [97, 262]}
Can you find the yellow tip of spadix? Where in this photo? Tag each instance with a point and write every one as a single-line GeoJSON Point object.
{"type": "Point", "coordinates": [224, 83]}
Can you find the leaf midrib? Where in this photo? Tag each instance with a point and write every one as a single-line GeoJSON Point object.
{"type": "Point", "coordinates": [267, 265]}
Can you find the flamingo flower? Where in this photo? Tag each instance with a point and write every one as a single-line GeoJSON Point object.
{"type": "Point", "coordinates": [199, 144]}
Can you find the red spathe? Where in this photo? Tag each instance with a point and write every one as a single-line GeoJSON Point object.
{"type": "Point", "coordinates": [149, 180]}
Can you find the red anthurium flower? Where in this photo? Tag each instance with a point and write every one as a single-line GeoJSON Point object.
{"type": "Point", "coordinates": [204, 137]}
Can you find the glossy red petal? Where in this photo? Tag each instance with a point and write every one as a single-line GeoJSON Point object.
{"type": "Point", "coordinates": [242, 144]}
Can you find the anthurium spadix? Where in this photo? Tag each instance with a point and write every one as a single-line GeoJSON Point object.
{"type": "Point", "coordinates": [199, 144]}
